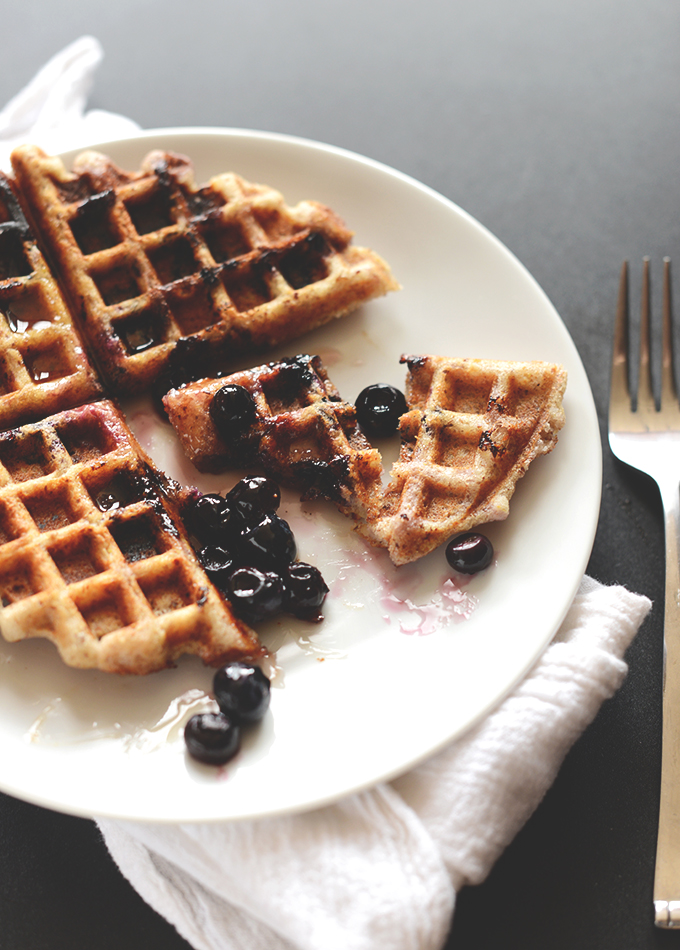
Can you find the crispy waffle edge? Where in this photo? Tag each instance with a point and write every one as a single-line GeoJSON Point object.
{"type": "Point", "coordinates": [117, 329]}
{"type": "Point", "coordinates": [408, 525]}
{"type": "Point", "coordinates": [114, 584]}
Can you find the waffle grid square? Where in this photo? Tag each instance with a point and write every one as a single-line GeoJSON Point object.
{"type": "Point", "coordinates": [91, 557]}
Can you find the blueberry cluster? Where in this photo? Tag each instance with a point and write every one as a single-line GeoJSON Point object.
{"type": "Point", "coordinates": [242, 692]}
{"type": "Point", "coordinates": [250, 553]}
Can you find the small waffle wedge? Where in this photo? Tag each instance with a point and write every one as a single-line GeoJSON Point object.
{"type": "Point", "coordinates": [92, 557]}
{"type": "Point", "coordinates": [43, 367]}
{"type": "Point", "coordinates": [149, 257]}
{"type": "Point", "coordinates": [472, 430]}
{"type": "Point", "coordinates": [304, 435]}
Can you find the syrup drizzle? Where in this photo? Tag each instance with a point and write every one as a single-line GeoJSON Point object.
{"type": "Point", "coordinates": [48, 728]}
{"type": "Point", "coordinates": [448, 604]}
{"type": "Point", "coordinates": [397, 590]}
{"type": "Point", "coordinates": [359, 574]}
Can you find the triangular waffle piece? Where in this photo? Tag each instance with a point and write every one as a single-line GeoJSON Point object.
{"type": "Point", "coordinates": [43, 367]}
{"type": "Point", "coordinates": [304, 435]}
{"type": "Point", "coordinates": [149, 257]}
{"type": "Point", "coordinates": [92, 556]}
{"type": "Point", "coordinates": [473, 428]}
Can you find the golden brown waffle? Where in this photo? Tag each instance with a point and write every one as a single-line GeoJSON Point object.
{"type": "Point", "coordinates": [472, 429]}
{"type": "Point", "coordinates": [305, 436]}
{"type": "Point", "coordinates": [148, 257]}
{"type": "Point", "coordinates": [91, 557]}
{"type": "Point", "coordinates": [43, 367]}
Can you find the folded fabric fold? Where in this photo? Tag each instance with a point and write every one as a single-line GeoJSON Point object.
{"type": "Point", "coordinates": [381, 869]}
{"type": "Point", "coordinates": [50, 110]}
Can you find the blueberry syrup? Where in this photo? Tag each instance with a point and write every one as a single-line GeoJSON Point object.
{"type": "Point", "coordinates": [449, 604]}
{"type": "Point", "coordinates": [404, 601]}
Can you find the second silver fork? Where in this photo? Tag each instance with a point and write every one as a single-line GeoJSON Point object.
{"type": "Point", "coordinates": [648, 439]}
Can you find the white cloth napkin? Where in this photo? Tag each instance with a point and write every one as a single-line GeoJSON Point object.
{"type": "Point", "coordinates": [50, 110]}
{"type": "Point", "coordinates": [380, 869]}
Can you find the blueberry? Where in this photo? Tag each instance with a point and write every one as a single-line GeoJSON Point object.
{"type": "Point", "coordinates": [212, 738]}
{"type": "Point", "coordinates": [187, 362]}
{"type": "Point", "coordinates": [378, 409]}
{"type": "Point", "coordinates": [242, 692]}
{"type": "Point", "coordinates": [294, 376]}
{"type": "Point", "coordinates": [218, 563]}
{"type": "Point", "coordinates": [191, 354]}
{"type": "Point", "coordinates": [212, 520]}
{"type": "Point", "coordinates": [469, 553]}
{"type": "Point", "coordinates": [268, 544]}
{"type": "Point", "coordinates": [233, 411]}
{"type": "Point", "coordinates": [205, 512]}
{"type": "Point", "coordinates": [305, 590]}
{"type": "Point", "coordinates": [254, 495]}
{"type": "Point", "coordinates": [255, 595]}
{"type": "Point", "coordinates": [321, 478]}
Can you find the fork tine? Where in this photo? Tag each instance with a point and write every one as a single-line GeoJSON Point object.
{"type": "Point", "coordinates": [668, 388]}
{"type": "Point", "coordinates": [645, 400]}
{"type": "Point", "coordinates": [619, 392]}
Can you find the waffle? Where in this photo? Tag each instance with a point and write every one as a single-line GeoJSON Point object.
{"type": "Point", "coordinates": [305, 436]}
{"type": "Point", "coordinates": [149, 257]}
{"type": "Point", "coordinates": [472, 429]}
{"type": "Point", "coordinates": [43, 368]}
{"type": "Point", "coordinates": [91, 557]}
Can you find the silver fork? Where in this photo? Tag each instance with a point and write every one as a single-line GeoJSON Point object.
{"type": "Point", "coordinates": [648, 439]}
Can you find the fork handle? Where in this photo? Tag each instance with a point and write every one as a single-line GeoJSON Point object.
{"type": "Point", "coordinates": [667, 871]}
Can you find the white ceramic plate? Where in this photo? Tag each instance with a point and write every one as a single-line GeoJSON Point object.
{"type": "Point", "coordinates": [405, 660]}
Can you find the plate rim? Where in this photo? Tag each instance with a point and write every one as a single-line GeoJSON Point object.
{"type": "Point", "coordinates": [251, 134]}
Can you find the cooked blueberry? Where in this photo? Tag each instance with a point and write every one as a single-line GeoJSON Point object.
{"type": "Point", "coordinates": [205, 512]}
{"type": "Point", "coordinates": [268, 544]}
{"type": "Point", "coordinates": [378, 409]}
{"type": "Point", "coordinates": [255, 495]}
{"type": "Point", "coordinates": [187, 362]}
{"type": "Point", "coordinates": [255, 595]}
{"type": "Point", "coordinates": [469, 553]}
{"type": "Point", "coordinates": [233, 411]}
{"type": "Point", "coordinates": [190, 359]}
{"type": "Point", "coordinates": [212, 738]}
{"type": "Point", "coordinates": [321, 478]}
{"type": "Point", "coordinates": [191, 353]}
{"type": "Point", "coordinates": [305, 590]}
{"type": "Point", "coordinates": [211, 518]}
{"type": "Point", "coordinates": [242, 692]}
{"type": "Point", "coordinates": [218, 564]}
{"type": "Point", "coordinates": [294, 375]}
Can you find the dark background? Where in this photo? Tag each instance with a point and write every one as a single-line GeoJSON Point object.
{"type": "Point", "coordinates": [557, 125]}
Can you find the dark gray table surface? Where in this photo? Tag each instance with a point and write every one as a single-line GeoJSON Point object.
{"type": "Point", "coordinates": [557, 125]}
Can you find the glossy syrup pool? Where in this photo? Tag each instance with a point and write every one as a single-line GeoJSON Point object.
{"type": "Point", "coordinates": [54, 725]}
